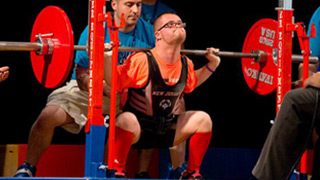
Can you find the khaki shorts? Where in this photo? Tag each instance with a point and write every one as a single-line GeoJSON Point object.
{"type": "Point", "coordinates": [75, 102]}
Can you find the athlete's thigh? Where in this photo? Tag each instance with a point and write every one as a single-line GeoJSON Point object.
{"type": "Point", "coordinates": [186, 126]}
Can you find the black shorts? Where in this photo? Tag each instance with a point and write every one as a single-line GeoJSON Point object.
{"type": "Point", "coordinates": [149, 140]}
{"type": "Point", "coordinates": [156, 132]}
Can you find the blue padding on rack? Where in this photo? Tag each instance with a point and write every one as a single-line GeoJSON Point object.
{"type": "Point", "coordinates": [95, 141]}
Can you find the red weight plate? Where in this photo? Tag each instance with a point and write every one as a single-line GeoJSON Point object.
{"type": "Point", "coordinates": [52, 70]}
{"type": "Point", "coordinates": [261, 77]}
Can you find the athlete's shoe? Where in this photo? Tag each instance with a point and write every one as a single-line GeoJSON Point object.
{"type": "Point", "coordinates": [25, 170]}
{"type": "Point", "coordinates": [120, 174]}
{"type": "Point", "coordinates": [194, 175]}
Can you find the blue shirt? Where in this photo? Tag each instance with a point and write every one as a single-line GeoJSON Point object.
{"type": "Point", "coordinates": [141, 36]}
{"type": "Point", "coordinates": [315, 42]}
{"type": "Point", "coordinates": [150, 12]}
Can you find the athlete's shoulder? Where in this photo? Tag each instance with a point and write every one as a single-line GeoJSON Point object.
{"type": "Point", "coordinates": [137, 57]}
{"type": "Point", "coordinates": [189, 61]}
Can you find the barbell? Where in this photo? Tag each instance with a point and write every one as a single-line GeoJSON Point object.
{"type": "Point", "coordinates": [52, 49]}
{"type": "Point", "coordinates": [257, 55]}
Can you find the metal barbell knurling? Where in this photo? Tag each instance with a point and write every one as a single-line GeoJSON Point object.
{"type": "Point", "coordinates": [35, 46]}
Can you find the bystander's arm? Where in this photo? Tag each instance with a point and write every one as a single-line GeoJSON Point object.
{"type": "Point", "coordinates": [82, 76]}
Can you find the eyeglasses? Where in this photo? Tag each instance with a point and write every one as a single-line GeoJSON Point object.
{"type": "Point", "coordinates": [172, 24]}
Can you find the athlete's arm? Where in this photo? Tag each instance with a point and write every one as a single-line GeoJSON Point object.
{"type": "Point", "coordinates": [205, 72]}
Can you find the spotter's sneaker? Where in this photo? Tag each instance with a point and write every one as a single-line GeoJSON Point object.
{"type": "Point", "coordinates": [25, 170]}
{"type": "Point", "coordinates": [177, 172]}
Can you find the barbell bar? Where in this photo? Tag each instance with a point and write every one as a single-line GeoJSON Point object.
{"type": "Point", "coordinates": [36, 46]}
